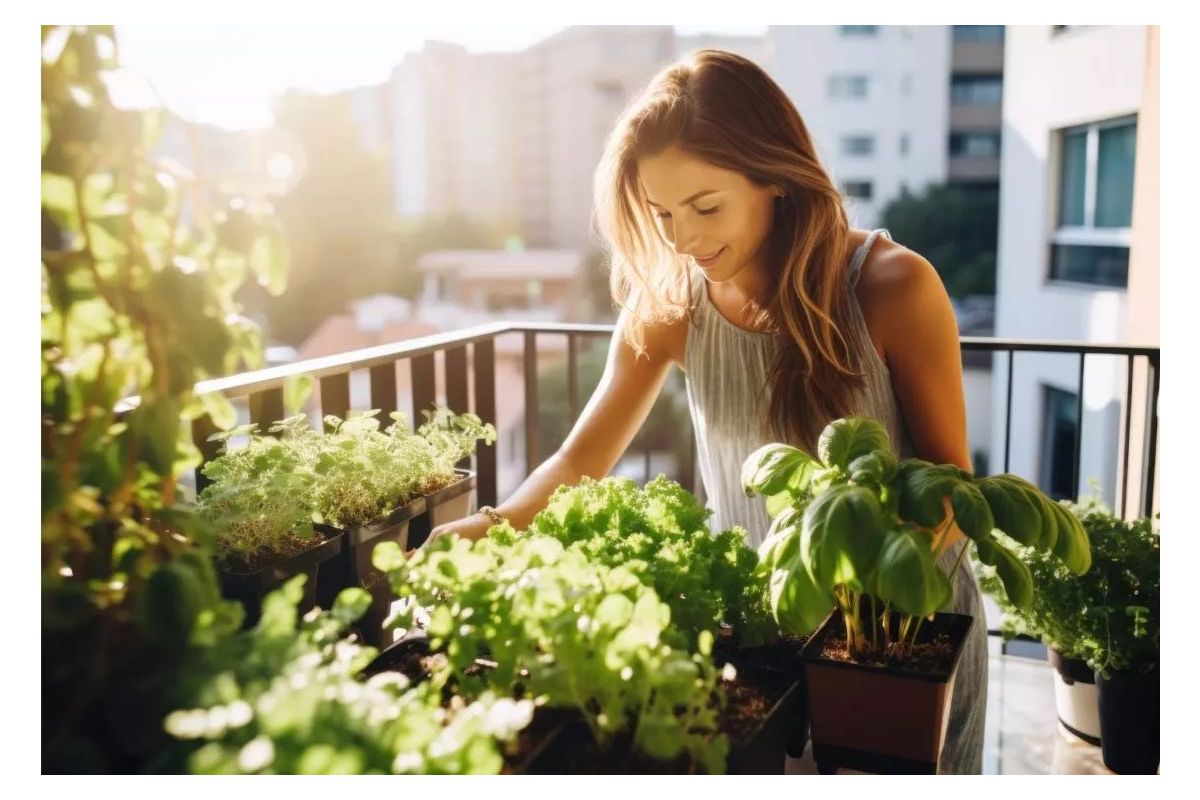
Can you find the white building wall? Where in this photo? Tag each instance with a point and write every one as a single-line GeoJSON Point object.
{"type": "Point", "coordinates": [907, 68]}
{"type": "Point", "coordinates": [1052, 82]}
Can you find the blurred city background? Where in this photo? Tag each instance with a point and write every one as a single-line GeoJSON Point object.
{"type": "Point", "coordinates": [432, 180]}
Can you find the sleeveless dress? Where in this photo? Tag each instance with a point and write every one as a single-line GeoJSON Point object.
{"type": "Point", "coordinates": [726, 370]}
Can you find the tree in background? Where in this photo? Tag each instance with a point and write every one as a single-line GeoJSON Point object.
{"type": "Point", "coordinates": [955, 227]}
{"type": "Point", "coordinates": [343, 234]}
{"type": "Point", "coordinates": [337, 219]}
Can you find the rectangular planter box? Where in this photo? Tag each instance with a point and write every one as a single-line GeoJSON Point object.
{"type": "Point", "coordinates": [564, 749]}
{"type": "Point", "coordinates": [249, 588]}
{"type": "Point", "coordinates": [354, 567]}
{"type": "Point", "coordinates": [875, 718]}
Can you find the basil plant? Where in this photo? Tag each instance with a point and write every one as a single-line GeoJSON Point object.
{"type": "Point", "coordinates": [857, 529]}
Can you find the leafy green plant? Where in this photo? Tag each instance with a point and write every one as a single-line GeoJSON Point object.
{"type": "Point", "coordinates": [1109, 615]}
{"type": "Point", "coordinates": [264, 497]}
{"type": "Point", "coordinates": [136, 307]}
{"type": "Point", "coordinates": [567, 632]}
{"type": "Point", "coordinates": [660, 533]}
{"type": "Point", "coordinates": [860, 530]}
{"type": "Point", "coordinates": [285, 698]}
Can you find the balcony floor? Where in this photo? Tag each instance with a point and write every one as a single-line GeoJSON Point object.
{"type": "Point", "coordinates": [1022, 734]}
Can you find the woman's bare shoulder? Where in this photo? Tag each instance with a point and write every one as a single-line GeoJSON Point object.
{"type": "Point", "coordinates": [664, 339]}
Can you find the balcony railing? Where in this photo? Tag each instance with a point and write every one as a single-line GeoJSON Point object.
{"type": "Point", "coordinates": [263, 390]}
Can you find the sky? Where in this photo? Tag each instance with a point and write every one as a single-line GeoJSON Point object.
{"type": "Point", "coordinates": [228, 76]}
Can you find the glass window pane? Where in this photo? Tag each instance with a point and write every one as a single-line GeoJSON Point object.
{"type": "Point", "coordinates": [859, 190]}
{"type": "Point", "coordinates": [1114, 176]}
{"type": "Point", "coordinates": [976, 90]}
{"type": "Point", "coordinates": [859, 30]}
{"type": "Point", "coordinates": [1094, 264]}
{"type": "Point", "coordinates": [1072, 178]}
{"type": "Point", "coordinates": [1060, 428]}
{"type": "Point", "coordinates": [979, 33]}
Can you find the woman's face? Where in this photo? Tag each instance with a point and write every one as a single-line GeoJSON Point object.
{"type": "Point", "coordinates": [716, 216]}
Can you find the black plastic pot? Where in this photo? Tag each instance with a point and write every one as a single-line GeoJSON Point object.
{"type": "Point", "coordinates": [764, 751]}
{"type": "Point", "coordinates": [567, 747]}
{"type": "Point", "coordinates": [784, 658]}
{"type": "Point", "coordinates": [249, 588]}
{"type": "Point", "coordinates": [875, 718]}
{"type": "Point", "coordinates": [353, 568]}
{"type": "Point", "coordinates": [1075, 697]}
{"type": "Point", "coordinates": [1129, 721]}
{"type": "Point", "coordinates": [445, 505]}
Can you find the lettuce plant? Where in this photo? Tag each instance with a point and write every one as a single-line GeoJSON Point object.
{"type": "Point", "coordinates": [856, 529]}
{"type": "Point", "coordinates": [567, 632]}
{"type": "Point", "coordinates": [660, 533]}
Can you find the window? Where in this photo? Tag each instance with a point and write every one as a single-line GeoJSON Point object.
{"type": "Point", "coordinates": [859, 190]}
{"type": "Point", "coordinates": [979, 33]}
{"type": "Point", "coordinates": [1095, 203]}
{"type": "Point", "coordinates": [975, 90]}
{"type": "Point", "coordinates": [858, 145]}
{"type": "Point", "coordinates": [1060, 429]}
{"type": "Point", "coordinates": [975, 144]}
{"type": "Point", "coordinates": [1088, 263]}
{"type": "Point", "coordinates": [860, 30]}
{"type": "Point", "coordinates": [848, 86]}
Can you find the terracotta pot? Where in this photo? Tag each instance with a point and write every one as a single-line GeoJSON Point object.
{"type": "Point", "coordinates": [882, 719]}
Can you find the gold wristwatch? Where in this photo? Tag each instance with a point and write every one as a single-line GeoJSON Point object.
{"type": "Point", "coordinates": [492, 514]}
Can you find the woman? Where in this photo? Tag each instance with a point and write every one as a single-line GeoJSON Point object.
{"type": "Point", "coordinates": [732, 259]}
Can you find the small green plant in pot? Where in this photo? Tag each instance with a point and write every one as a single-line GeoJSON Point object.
{"type": "Point", "coordinates": [859, 532]}
{"type": "Point", "coordinates": [301, 492]}
{"type": "Point", "coordinates": [1104, 626]}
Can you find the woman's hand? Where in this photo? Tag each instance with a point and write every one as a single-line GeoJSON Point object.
{"type": "Point", "coordinates": [472, 527]}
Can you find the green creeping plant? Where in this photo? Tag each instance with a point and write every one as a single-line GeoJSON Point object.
{"type": "Point", "coordinates": [857, 529]}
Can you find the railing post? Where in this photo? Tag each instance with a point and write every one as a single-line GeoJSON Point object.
{"type": "Point", "coordinates": [1078, 433]}
{"type": "Point", "coordinates": [335, 396]}
{"type": "Point", "coordinates": [424, 387]}
{"type": "Point", "coordinates": [484, 356]}
{"type": "Point", "coordinates": [1125, 441]}
{"type": "Point", "coordinates": [455, 362]}
{"type": "Point", "coordinates": [531, 403]}
{"type": "Point", "coordinates": [202, 428]}
{"type": "Point", "coordinates": [1151, 438]}
{"type": "Point", "coordinates": [266, 407]}
{"type": "Point", "coordinates": [383, 391]}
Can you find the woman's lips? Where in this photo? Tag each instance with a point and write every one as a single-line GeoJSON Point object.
{"type": "Point", "coordinates": [708, 262]}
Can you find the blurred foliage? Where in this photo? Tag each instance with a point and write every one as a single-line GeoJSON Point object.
{"type": "Point", "coordinates": [134, 303]}
{"type": "Point", "coordinates": [955, 227]}
{"type": "Point", "coordinates": [345, 239]}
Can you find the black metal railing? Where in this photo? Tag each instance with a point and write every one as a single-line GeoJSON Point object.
{"type": "Point", "coordinates": [473, 350]}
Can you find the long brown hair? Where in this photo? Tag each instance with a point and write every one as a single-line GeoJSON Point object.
{"type": "Point", "coordinates": [726, 110]}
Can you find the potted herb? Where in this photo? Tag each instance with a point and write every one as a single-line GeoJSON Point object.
{"type": "Point", "coordinates": [1106, 620]}
{"type": "Point", "coordinates": [710, 581]}
{"type": "Point", "coordinates": [859, 532]}
{"type": "Point", "coordinates": [286, 697]}
{"type": "Point", "coordinates": [259, 502]}
{"type": "Point", "coordinates": [574, 635]}
{"type": "Point", "coordinates": [300, 498]}
{"type": "Point", "coordinates": [373, 485]}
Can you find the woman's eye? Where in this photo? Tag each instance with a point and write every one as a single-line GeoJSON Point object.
{"type": "Point", "coordinates": [663, 215]}
{"type": "Point", "coordinates": [707, 211]}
